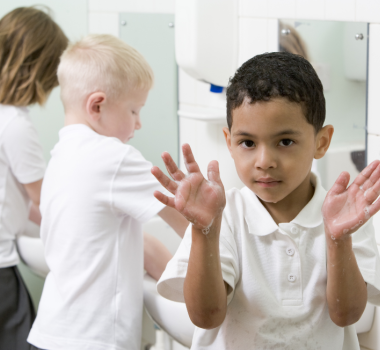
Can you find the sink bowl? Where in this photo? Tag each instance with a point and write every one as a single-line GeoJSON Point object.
{"type": "Point", "coordinates": [31, 251]}
{"type": "Point", "coordinates": [170, 316]}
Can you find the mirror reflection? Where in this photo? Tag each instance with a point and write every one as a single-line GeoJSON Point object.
{"type": "Point", "coordinates": [338, 53]}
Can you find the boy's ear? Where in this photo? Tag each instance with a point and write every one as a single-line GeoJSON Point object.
{"type": "Point", "coordinates": [227, 136]}
{"type": "Point", "coordinates": [95, 104]}
{"type": "Point", "coordinates": [323, 141]}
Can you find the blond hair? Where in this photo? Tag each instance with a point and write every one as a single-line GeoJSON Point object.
{"type": "Point", "coordinates": [30, 46]}
{"type": "Point", "coordinates": [101, 63]}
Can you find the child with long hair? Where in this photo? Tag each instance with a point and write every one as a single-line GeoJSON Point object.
{"type": "Point", "coordinates": [30, 46]}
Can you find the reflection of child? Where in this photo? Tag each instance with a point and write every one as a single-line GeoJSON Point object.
{"type": "Point", "coordinates": [291, 41]}
{"type": "Point", "coordinates": [96, 193]}
{"type": "Point", "coordinates": [278, 264]}
{"type": "Point", "coordinates": [30, 46]}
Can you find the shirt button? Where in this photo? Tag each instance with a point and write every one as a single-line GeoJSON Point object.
{"type": "Point", "coordinates": [290, 251]}
{"type": "Point", "coordinates": [292, 278]}
{"type": "Point", "coordinates": [294, 230]}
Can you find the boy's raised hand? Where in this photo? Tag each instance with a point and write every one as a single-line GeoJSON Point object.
{"type": "Point", "coordinates": [346, 209]}
{"type": "Point", "coordinates": [199, 200]}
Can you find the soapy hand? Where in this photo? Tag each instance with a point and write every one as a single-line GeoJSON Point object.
{"type": "Point", "coordinates": [346, 209]}
{"type": "Point", "coordinates": [199, 200]}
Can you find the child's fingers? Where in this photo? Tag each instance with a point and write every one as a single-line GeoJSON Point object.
{"type": "Point", "coordinates": [171, 167]}
{"type": "Point", "coordinates": [340, 184]}
{"type": "Point", "coordinates": [169, 201]}
{"type": "Point", "coordinates": [366, 173]}
{"type": "Point", "coordinates": [213, 172]}
{"type": "Point", "coordinates": [170, 185]}
{"type": "Point", "coordinates": [191, 164]}
{"type": "Point", "coordinates": [372, 179]}
{"type": "Point", "coordinates": [373, 192]}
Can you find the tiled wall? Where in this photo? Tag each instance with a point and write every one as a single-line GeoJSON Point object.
{"type": "Point", "coordinates": [334, 10]}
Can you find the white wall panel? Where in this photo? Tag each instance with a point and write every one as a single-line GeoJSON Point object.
{"type": "Point", "coordinates": [373, 153]}
{"type": "Point", "coordinates": [310, 9]}
{"type": "Point", "coordinates": [340, 10]}
{"type": "Point", "coordinates": [148, 6]}
{"type": "Point", "coordinates": [253, 8]}
{"type": "Point", "coordinates": [187, 134]}
{"type": "Point", "coordinates": [272, 35]}
{"type": "Point", "coordinates": [368, 11]}
{"type": "Point", "coordinates": [103, 23]}
{"type": "Point", "coordinates": [252, 38]}
{"type": "Point", "coordinates": [164, 6]}
{"type": "Point", "coordinates": [112, 5]}
{"type": "Point", "coordinates": [374, 80]}
{"type": "Point", "coordinates": [187, 88]}
{"type": "Point", "coordinates": [281, 8]}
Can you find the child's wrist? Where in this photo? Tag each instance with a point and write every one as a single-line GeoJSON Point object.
{"type": "Point", "coordinates": [338, 241]}
{"type": "Point", "coordinates": [210, 231]}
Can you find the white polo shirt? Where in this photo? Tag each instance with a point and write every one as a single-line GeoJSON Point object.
{"type": "Point", "coordinates": [96, 194]}
{"type": "Point", "coordinates": [278, 278]}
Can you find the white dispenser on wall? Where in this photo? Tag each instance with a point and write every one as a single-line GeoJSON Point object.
{"type": "Point", "coordinates": [206, 33]}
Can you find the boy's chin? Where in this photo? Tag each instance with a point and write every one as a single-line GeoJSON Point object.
{"type": "Point", "coordinates": [269, 198]}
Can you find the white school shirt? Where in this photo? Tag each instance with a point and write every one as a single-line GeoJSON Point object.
{"type": "Point", "coordinates": [277, 274]}
{"type": "Point", "coordinates": [96, 193]}
{"type": "Point", "coordinates": [21, 162]}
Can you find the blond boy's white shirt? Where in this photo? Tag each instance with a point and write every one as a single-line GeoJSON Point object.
{"type": "Point", "coordinates": [96, 194]}
{"type": "Point", "coordinates": [277, 277]}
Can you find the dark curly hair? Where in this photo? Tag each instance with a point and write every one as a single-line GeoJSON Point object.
{"type": "Point", "coordinates": [278, 74]}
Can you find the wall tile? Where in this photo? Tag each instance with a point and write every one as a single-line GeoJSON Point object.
{"type": "Point", "coordinates": [148, 6]}
{"type": "Point", "coordinates": [187, 86]}
{"type": "Point", "coordinates": [272, 35]}
{"type": "Point", "coordinates": [164, 6]}
{"type": "Point", "coordinates": [310, 9]}
{"type": "Point", "coordinates": [112, 5]}
{"type": "Point", "coordinates": [103, 23]}
{"type": "Point", "coordinates": [281, 8]}
{"type": "Point", "coordinates": [373, 154]}
{"type": "Point", "coordinates": [368, 11]}
{"type": "Point", "coordinates": [253, 8]}
{"type": "Point", "coordinates": [145, 6]}
{"type": "Point", "coordinates": [252, 38]}
{"type": "Point", "coordinates": [374, 80]}
{"type": "Point", "coordinates": [340, 10]}
{"type": "Point", "coordinates": [187, 134]}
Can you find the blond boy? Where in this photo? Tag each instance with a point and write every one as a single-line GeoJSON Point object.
{"type": "Point", "coordinates": [96, 193]}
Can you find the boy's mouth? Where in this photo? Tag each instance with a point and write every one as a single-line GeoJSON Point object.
{"type": "Point", "coordinates": [267, 182]}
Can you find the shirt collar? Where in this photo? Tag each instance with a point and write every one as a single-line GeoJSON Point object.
{"type": "Point", "coordinates": [261, 223]}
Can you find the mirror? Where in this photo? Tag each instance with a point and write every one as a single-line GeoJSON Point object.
{"type": "Point", "coordinates": [338, 53]}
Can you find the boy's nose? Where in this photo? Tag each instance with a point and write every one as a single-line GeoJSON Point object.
{"type": "Point", "coordinates": [265, 158]}
{"type": "Point", "coordinates": [138, 123]}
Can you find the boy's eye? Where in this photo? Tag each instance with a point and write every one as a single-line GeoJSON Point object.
{"type": "Point", "coordinates": [286, 142]}
{"type": "Point", "coordinates": [247, 144]}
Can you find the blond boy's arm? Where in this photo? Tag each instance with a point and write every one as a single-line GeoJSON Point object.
{"type": "Point", "coordinates": [156, 256]}
{"type": "Point", "coordinates": [175, 220]}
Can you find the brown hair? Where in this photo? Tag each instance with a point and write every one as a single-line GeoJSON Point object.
{"type": "Point", "coordinates": [30, 46]}
{"type": "Point", "coordinates": [291, 41]}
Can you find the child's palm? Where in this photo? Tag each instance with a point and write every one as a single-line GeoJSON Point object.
{"type": "Point", "coordinates": [197, 199]}
{"type": "Point", "coordinates": [346, 209]}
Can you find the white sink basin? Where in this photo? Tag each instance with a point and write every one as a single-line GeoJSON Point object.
{"type": "Point", "coordinates": [170, 316]}
{"type": "Point", "coordinates": [31, 251]}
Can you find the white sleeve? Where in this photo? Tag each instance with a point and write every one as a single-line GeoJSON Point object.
{"type": "Point", "coordinates": [133, 187]}
{"type": "Point", "coordinates": [170, 285]}
{"type": "Point", "coordinates": [23, 151]}
{"type": "Point", "coordinates": [368, 260]}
